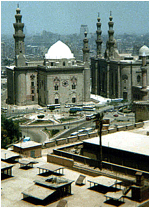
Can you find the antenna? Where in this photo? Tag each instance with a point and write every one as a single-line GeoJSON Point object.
{"type": "Point", "coordinates": [98, 14]}
{"type": "Point", "coordinates": [110, 13]}
{"type": "Point", "coordinates": [18, 5]}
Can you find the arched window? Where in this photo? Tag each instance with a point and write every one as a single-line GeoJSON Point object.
{"type": "Point", "coordinates": [64, 64]}
{"type": "Point", "coordinates": [73, 86]}
{"type": "Point", "coordinates": [73, 100]}
{"type": "Point", "coordinates": [138, 78]}
{"type": "Point", "coordinates": [56, 87]}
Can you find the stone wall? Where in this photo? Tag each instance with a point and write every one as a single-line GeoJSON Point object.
{"type": "Point", "coordinates": [80, 137]}
{"type": "Point", "coordinates": [60, 160]}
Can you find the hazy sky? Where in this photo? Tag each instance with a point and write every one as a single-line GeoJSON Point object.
{"type": "Point", "coordinates": [66, 17]}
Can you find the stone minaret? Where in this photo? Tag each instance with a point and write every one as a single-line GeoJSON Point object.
{"type": "Point", "coordinates": [85, 49]}
{"type": "Point", "coordinates": [99, 39]}
{"type": "Point", "coordinates": [110, 43]}
{"type": "Point", "coordinates": [144, 72]}
{"type": "Point", "coordinates": [19, 39]}
{"type": "Point", "coordinates": [86, 69]}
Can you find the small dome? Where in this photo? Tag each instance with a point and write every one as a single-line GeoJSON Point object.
{"type": "Point", "coordinates": [144, 51]}
{"type": "Point", "coordinates": [59, 50]}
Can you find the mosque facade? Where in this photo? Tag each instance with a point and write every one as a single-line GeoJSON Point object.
{"type": "Point", "coordinates": [59, 80]}
{"type": "Point", "coordinates": [117, 75]}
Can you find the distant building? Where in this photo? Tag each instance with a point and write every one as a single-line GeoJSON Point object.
{"type": "Point", "coordinates": [3, 50]}
{"type": "Point", "coordinates": [58, 80]}
{"type": "Point", "coordinates": [114, 75]}
{"type": "Point", "coordinates": [83, 29]}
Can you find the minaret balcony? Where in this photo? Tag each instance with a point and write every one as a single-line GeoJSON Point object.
{"type": "Point", "coordinates": [98, 24]}
{"type": "Point", "coordinates": [18, 25]}
{"type": "Point", "coordinates": [18, 16]}
{"type": "Point", "coordinates": [99, 41]}
{"type": "Point", "coordinates": [111, 42]}
{"type": "Point", "coordinates": [111, 31]}
{"type": "Point", "coordinates": [86, 50]}
{"type": "Point", "coordinates": [98, 32]}
{"type": "Point", "coordinates": [19, 35]}
{"type": "Point", "coordinates": [32, 87]}
{"type": "Point", "coordinates": [110, 23]}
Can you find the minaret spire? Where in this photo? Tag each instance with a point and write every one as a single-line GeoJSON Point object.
{"type": "Point", "coordinates": [111, 41]}
{"type": "Point", "coordinates": [19, 39]}
{"type": "Point", "coordinates": [85, 49]}
{"type": "Point", "coordinates": [99, 39]}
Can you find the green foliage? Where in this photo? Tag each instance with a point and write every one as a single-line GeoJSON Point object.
{"type": "Point", "coordinates": [52, 108]}
{"type": "Point", "coordinates": [73, 112]}
{"type": "Point", "coordinates": [10, 131]}
{"type": "Point", "coordinates": [54, 131]}
{"type": "Point", "coordinates": [40, 116]}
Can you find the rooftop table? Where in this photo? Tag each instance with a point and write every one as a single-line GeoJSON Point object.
{"type": "Point", "coordinates": [6, 168]}
{"type": "Point", "coordinates": [8, 154]}
{"type": "Point", "coordinates": [105, 181]}
{"type": "Point", "coordinates": [47, 167]}
{"type": "Point", "coordinates": [53, 182]}
{"type": "Point", "coordinates": [115, 195]}
{"type": "Point", "coordinates": [26, 163]}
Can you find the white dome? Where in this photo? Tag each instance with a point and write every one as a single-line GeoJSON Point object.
{"type": "Point", "coordinates": [59, 50]}
{"type": "Point", "coordinates": [144, 51]}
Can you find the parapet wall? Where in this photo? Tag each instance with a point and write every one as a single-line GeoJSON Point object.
{"type": "Point", "coordinates": [60, 160]}
{"type": "Point", "coordinates": [80, 137]}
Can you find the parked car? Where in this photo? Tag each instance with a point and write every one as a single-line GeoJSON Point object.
{"type": "Point", "coordinates": [115, 115]}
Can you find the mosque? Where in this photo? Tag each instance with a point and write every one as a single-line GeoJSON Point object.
{"type": "Point", "coordinates": [60, 79]}
{"type": "Point", "coordinates": [117, 75]}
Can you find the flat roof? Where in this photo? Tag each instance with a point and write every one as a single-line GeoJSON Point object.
{"type": "Point", "coordinates": [38, 192]}
{"type": "Point", "coordinates": [5, 165]}
{"type": "Point", "coordinates": [7, 154]}
{"type": "Point", "coordinates": [28, 144]}
{"type": "Point", "coordinates": [50, 167]}
{"type": "Point", "coordinates": [26, 161]}
{"type": "Point", "coordinates": [124, 140]}
{"type": "Point", "coordinates": [105, 181]}
{"type": "Point", "coordinates": [53, 182]}
{"type": "Point", "coordinates": [114, 195]}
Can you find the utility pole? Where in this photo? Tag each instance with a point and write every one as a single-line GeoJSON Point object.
{"type": "Point", "coordinates": [98, 118]}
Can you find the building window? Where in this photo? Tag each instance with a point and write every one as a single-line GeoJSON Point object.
{"type": "Point", "coordinates": [52, 64]}
{"type": "Point", "coordinates": [56, 101]}
{"type": "Point", "coordinates": [73, 100]}
{"type": "Point", "coordinates": [64, 64]}
{"type": "Point", "coordinates": [32, 91]}
{"type": "Point", "coordinates": [73, 86]}
{"type": "Point", "coordinates": [32, 84]}
{"type": "Point", "coordinates": [138, 78]}
{"type": "Point", "coordinates": [125, 95]}
{"type": "Point", "coordinates": [32, 98]}
{"type": "Point", "coordinates": [56, 87]}
{"type": "Point", "coordinates": [65, 83]}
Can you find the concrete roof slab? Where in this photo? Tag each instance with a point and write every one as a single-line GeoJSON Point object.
{"type": "Point", "coordinates": [38, 192]}
{"type": "Point", "coordinates": [105, 181]}
{"type": "Point", "coordinates": [124, 140]}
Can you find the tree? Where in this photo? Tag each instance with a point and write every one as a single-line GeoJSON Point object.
{"type": "Point", "coordinates": [10, 131]}
{"type": "Point", "coordinates": [51, 108]}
